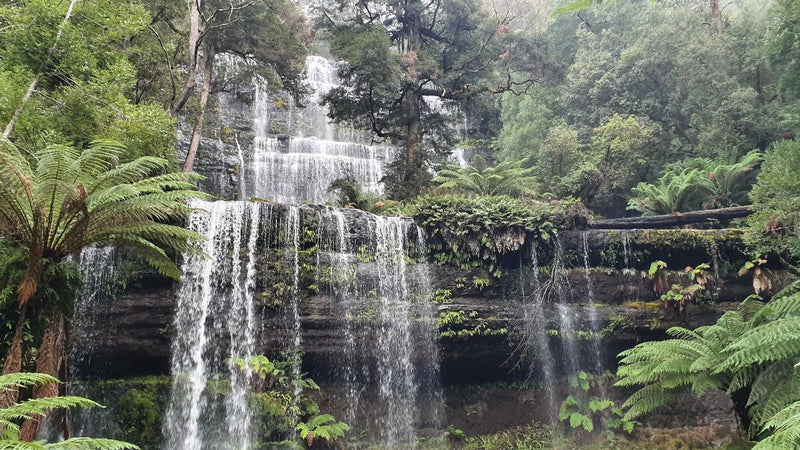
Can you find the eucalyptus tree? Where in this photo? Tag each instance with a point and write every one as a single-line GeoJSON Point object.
{"type": "Point", "coordinates": [407, 60]}
{"type": "Point", "coordinates": [58, 201]}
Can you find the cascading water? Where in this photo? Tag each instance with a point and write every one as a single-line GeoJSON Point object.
{"type": "Point", "coordinates": [98, 267]}
{"type": "Point", "coordinates": [389, 366]}
{"type": "Point", "coordinates": [567, 314]}
{"type": "Point", "coordinates": [296, 346]}
{"type": "Point", "coordinates": [301, 168]}
{"type": "Point", "coordinates": [594, 314]}
{"type": "Point", "coordinates": [214, 306]}
{"type": "Point", "coordinates": [536, 339]}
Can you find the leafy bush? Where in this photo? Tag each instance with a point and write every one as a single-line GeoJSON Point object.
{"type": "Point", "coordinates": [583, 411]}
{"type": "Point", "coordinates": [674, 192]}
{"type": "Point", "coordinates": [775, 227]}
{"type": "Point", "coordinates": [273, 396]}
{"type": "Point", "coordinates": [696, 184]}
{"type": "Point", "coordinates": [323, 426]}
{"type": "Point", "coordinates": [476, 232]}
{"type": "Point", "coordinates": [506, 178]}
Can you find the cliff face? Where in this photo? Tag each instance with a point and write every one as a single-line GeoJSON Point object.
{"type": "Point", "coordinates": [481, 320]}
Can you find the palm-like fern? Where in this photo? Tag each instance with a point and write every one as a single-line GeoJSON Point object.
{"type": "Point", "coordinates": [66, 199]}
{"type": "Point", "coordinates": [61, 200]}
{"type": "Point", "coordinates": [729, 184]}
{"type": "Point", "coordinates": [753, 350]}
{"type": "Point", "coordinates": [674, 192]}
{"type": "Point", "coordinates": [37, 408]}
{"type": "Point", "coordinates": [507, 178]}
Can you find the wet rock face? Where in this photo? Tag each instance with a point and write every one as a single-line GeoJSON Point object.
{"type": "Point", "coordinates": [138, 324]}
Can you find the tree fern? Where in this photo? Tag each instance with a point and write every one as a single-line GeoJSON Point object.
{"type": "Point", "coordinates": [507, 178]}
{"type": "Point", "coordinates": [61, 200]}
{"type": "Point", "coordinates": [674, 192]}
{"type": "Point", "coordinates": [65, 200]}
{"type": "Point", "coordinates": [729, 184]}
{"type": "Point", "coordinates": [784, 427]}
{"type": "Point", "coordinates": [11, 416]}
{"type": "Point", "coordinates": [754, 350]}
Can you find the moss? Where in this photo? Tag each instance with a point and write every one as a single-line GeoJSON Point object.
{"type": "Point", "coordinates": [650, 307]}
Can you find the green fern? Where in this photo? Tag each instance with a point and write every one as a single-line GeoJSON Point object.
{"type": "Point", "coordinates": [37, 408]}
{"type": "Point", "coordinates": [785, 429]}
{"type": "Point", "coordinates": [755, 348]}
{"type": "Point", "coordinates": [507, 178]}
{"type": "Point", "coordinates": [674, 192]}
{"type": "Point", "coordinates": [66, 199]}
{"type": "Point", "coordinates": [323, 426]}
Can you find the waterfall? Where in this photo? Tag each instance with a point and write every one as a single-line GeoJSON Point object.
{"type": "Point", "coordinates": [98, 271]}
{"type": "Point", "coordinates": [98, 268]}
{"type": "Point", "coordinates": [301, 168]}
{"type": "Point", "coordinates": [594, 314]}
{"type": "Point", "coordinates": [296, 346]}
{"type": "Point", "coordinates": [387, 364]}
{"type": "Point", "coordinates": [536, 339]}
{"type": "Point", "coordinates": [626, 250]}
{"type": "Point", "coordinates": [213, 306]}
{"type": "Point", "coordinates": [567, 314]}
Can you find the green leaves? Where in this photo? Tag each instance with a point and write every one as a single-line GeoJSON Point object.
{"type": "Point", "coordinates": [70, 199]}
{"type": "Point", "coordinates": [757, 351]}
{"type": "Point", "coordinates": [323, 426]}
{"type": "Point", "coordinates": [36, 408]}
{"type": "Point", "coordinates": [507, 178]}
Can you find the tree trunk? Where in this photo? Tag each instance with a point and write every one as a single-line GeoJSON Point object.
{"type": "Point", "coordinates": [413, 147]}
{"type": "Point", "coordinates": [191, 62]}
{"type": "Point", "coordinates": [711, 216]}
{"type": "Point", "coordinates": [13, 362]}
{"type": "Point", "coordinates": [208, 68]}
{"type": "Point", "coordinates": [32, 87]}
{"type": "Point", "coordinates": [739, 399]}
{"type": "Point", "coordinates": [48, 361]}
{"type": "Point", "coordinates": [716, 15]}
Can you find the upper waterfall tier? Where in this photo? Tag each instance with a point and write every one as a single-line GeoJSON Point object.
{"type": "Point", "coordinates": [300, 168]}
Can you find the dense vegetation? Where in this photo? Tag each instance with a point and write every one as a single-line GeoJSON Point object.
{"type": "Point", "coordinates": [637, 107]}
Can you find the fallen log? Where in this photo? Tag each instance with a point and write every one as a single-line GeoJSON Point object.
{"type": "Point", "coordinates": [711, 216]}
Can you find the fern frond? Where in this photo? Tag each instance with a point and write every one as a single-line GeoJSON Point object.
{"type": "Point", "coordinates": [24, 379]}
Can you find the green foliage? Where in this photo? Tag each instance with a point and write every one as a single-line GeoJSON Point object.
{"type": "Point", "coordinates": [627, 106]}
{"type": "Point", "coordinates": [69, 199]}
{"type": "Point", "coordinates": [272, 396]}
{"type": "Point", "coordinates": [11, 416]}
{"type": "Point", "coordinates": [507, 178]}
{"type": "Point", "coordinates": [454, 434]}
{"type": "Point", "coordinates": [400, 95]}
{"type": "Point", "coordinates": [518, 438]}
{"type": "Point", "coordinates": [139, 417]}
{"type": "Point", "coordinates": [680, 192]}
{"type": "Point", "coordinates": [350, 195]}
{"type": "Point", "coordinates": [463, 325]}
{"type": "Point", "coordinates": [583, 411]}
{"type": "Point", "coordinates": [706, 184]}
{"type": "Point", "coordinates": [752, 351]}
{"type": "Point", "coordinates": [775, 226]}
{"type": "Point", "coordinates": [87, 85]}
{"type": "Point", "coordinates": [475, 232]}
{"type": "Point", "coordinates": [323, 426]}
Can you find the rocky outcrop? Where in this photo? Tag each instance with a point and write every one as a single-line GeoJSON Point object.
{"type": "Point", "coordinates": [138, 323]}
